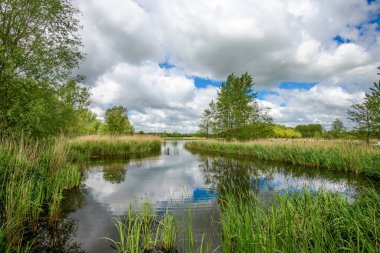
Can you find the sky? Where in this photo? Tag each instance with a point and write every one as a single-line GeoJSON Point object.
{"type": "Point", "coordinates": [165, 59]}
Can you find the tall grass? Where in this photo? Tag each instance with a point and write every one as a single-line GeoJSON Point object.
{"type": "Point", "coordinates": [32, 174]}
{"type": "Point", "coordinates": [301, 222]}
{"type": "Point", "coordinates": [145, 231]}
{"type": "Point", "coordinates": [335, 155]}
{"type": "Point", "coordinates": [87, 147]}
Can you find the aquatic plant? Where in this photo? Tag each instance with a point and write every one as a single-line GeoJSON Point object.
{"type": "Point", "coordinates": [81, 149]}
{"type": "Point", "coordinates": [301, 222]}
{"type": "Point", "coordinates": [32, 174]}
{"type": "Point", "coordinates": [335, 155]}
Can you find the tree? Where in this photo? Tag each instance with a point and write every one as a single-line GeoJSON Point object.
{"type": "Point", "coordinates": [39, 47]}
{"type": "Point", "coordinates": [310, 130]}
{"type": "Point", "coordinates": [366, 115]}
{"type": "Point", "coordinates": [39, 39]}
{"type": "Point", "coordinates": [236, 104]}
{"type": "Point", "coordinates": [117, 121]}
{"type": "Point", "coordinates": [207, 124]}
{"type": "Point", "coordinates": [337, 126]}
{"type": "Point", "coordinates": [236, 112]}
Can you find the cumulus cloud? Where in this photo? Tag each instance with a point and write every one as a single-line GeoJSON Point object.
{"type": "Point", "coordinates": [156, 98]}
{"type": "Point", "coordinates": [292, 40]}
{"type": "Point", "coordinates": [320, 105]}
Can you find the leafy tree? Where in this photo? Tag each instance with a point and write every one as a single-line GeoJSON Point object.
{"type": "Point", "coordinates": [117, 121]}
{"type": "Point", "coordinates": [236, 112]}
{"type": "Point", "coordinates": [236, 104]}
{"type": "Point", "coordinates": [39, 39]}
{"type": "Point", "coordinates": [207, 124]}
{"type": "Point", "coordinates": [87, 123]}
{"type": "Point", "coordinates": [310, 130]}
{"type": "Point", "coordinates": [337, 126]}
{"type": "Point", "coordinates": [39, 47]}
{"type": "Point", "coordinates": [366, 115]}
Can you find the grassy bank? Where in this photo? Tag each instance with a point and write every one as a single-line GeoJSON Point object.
{"type": "Point", "coordinates": [98, 146]}
{"type": "Point", "coordinates": [301, 222]}
{"type": "Point", "coordinates": [33, 176]}
{"type": "Point", "coordinates": [351, 156]}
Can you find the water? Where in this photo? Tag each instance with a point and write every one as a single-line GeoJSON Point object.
{"type": "Point", "coordinates": [176, 180]}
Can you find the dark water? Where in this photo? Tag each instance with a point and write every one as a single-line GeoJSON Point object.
{"type": "Point", "coordinates": [177, 180]}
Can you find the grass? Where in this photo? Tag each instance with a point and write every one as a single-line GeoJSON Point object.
{"type": "Point", "coordinates": [301, 222]}
{"type": "Point", "coordinates": [350, 156]}
{"type": "Point", "coordinates": [32, 174]}
{"type": "Point", "coordinates": [145, 231]}
{"type": "Point", "coordinates": [98, 146]}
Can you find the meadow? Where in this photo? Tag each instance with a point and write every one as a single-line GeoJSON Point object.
{"type": "Point", "coordinates": [343, 155]}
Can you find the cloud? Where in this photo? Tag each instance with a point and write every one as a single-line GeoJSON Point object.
{"type": "Point", "coordinates": [321, 105]}
{"type": "Point", "coordinates": [275, 41]}
{"type": "Point", "coordinates": [156, 98]}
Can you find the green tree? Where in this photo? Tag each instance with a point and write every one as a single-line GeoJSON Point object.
{"type": "Point", "coordinates": [236, 113]}
{"type": "Point", "coordinates": [207, 124]}
{"type": "Point", "coordinates": [337, 126]}
{"type": "Point", "coordinates": [310, 130]}
{"type": "Point", "coordinates": [236, 104]}
{"type": "Point", "coordinates": [366, 115]}
{"type": "Point", "coordinates": [117, 122]}
{"type": "Point", "coordinates": [39, 39]}
{"type": "Point", "coordinates": [39, 47]}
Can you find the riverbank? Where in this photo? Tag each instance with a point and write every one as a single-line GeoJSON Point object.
{"type": "Point", "coordinates": [35, 174]}
{"type": "Point", "coordinates": [350, 156]}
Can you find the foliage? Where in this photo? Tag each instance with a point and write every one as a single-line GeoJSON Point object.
{"type": "Point", "coordinates": [235, 112]}
{"type": "Point", "coordinates": [280, 131]}
{"type": "Point", "coordinates": [39, 47]}
{"type": "Point", "coordinates": [310, 131]}
{"type": "Point", "coordinates": [346, 156]}
{"type": "Point", "coordinates": [117, 122]}
{"type": "Point", "coordinates": [366, 115]}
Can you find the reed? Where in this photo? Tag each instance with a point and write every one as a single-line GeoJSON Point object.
{"type": "Point", "coordinates": [350, 156]}
{"type": "Point", "coordinates": [145, 231]}
{"type": "Point", "coordinates": [84, 148]}
{"type": "Point", "coordinates": [32, 174]}
{"type": "Point", "coordinates": [301, 222]}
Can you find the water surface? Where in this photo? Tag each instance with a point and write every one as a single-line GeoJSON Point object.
{"type": "Point", "coordinates": [176, 180]}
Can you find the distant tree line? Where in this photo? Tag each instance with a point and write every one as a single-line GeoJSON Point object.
{"type": "Point", "coordinates": [236, 114]}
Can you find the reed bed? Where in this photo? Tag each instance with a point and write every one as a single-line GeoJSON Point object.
{"type": "Point", "coordinates": [301, 222]}
{"type": "Point", "coordinates": [98, 146]}
{"type": "Point", "coordinates": [33, 176]}
{"type": "Point", "coordinates": [145, 231]}
{"type": "Point", "coordinates": [350, 156]}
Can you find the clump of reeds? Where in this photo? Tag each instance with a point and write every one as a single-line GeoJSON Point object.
{"type": "Point", "coordinates": [112, 146]}
{"type": "Point", "coordinates": [301, 222]}
{"type": "Point", "coordinates": [32, 174]}
{"type": "Point", "coordinates": [145, 231]}
{"type": "Point", "coordinates": [346, 156]}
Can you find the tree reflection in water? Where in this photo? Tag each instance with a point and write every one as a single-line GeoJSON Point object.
{"type": "Point", "coordinates": [115, 172]}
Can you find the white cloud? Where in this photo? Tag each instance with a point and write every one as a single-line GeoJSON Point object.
{"type": "Point", "coordinates": [156, 98]}
{"type": "Point", "coordinates": [273, 40]}
{"type": "Point", "coordinates": [321, 104]}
